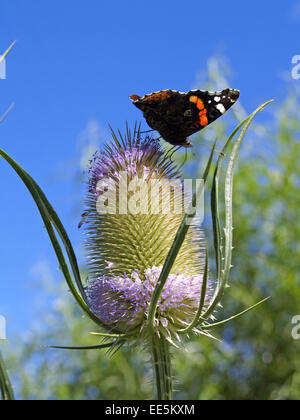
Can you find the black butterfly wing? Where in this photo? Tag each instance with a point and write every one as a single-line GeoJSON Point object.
{"type": "Point", "coordinates": [176, 115]}
{"type": "Point", "coordinates": [207, 106]}
{"type": "Point", "coordinates": [165, 112]}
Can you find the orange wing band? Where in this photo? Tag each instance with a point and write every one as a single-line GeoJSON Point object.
{"type": "Point", "coordinates": [202, 111]}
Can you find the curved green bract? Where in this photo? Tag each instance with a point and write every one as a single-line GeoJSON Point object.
{"type": "Point", "coordinates": [224, 267]}
{"type": "Point", "coordinates": [5, 385]}
{"type": "Point", "coordinates": [97, 347]}
{"type": "Point", "coordinates": [225, 321]}
{"type": "Point", "coordinates": [197, 317]}
{"type": "Point", "coordinates": [51, 220]}
{"type": "Point", "coordinates": [178, 241]}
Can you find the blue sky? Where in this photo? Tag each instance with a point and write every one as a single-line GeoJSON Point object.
{"type": "Point", "coordinates": [76, 62]}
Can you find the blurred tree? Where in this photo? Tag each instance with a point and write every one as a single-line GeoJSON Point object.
{"type": "Point", "coordinates": [257, 357]}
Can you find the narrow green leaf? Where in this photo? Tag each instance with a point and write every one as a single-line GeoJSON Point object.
{"type": "Point", "coordinates": [108, 335]}
{"type": "Point", "coordinates": [63, 236]}
{"type": "Point", "coordinates": [224, 272]}
{"type": "Point", "coordinates": [196, 319]}
{"type": "Point", "coordinates": [225, 321]}
{"type": "Point", "coordinates": [48, 215]}
{"type": "Point", "coordinates": [5, 385]}
{"type": "Point", "coordinates": [178, 241]}
{"type": "Point", "coordinates": [215, 203]}
{"type": "Point", "coordinates": [97, 347]}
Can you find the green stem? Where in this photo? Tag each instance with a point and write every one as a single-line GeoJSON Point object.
{"type": "Point", "coordinates": [162, 367]}
{"type": "Point", "coordinates": [5, 385]}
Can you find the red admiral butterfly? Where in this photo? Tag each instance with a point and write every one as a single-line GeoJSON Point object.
{"type": "Point", "coordinates": [176, 115]}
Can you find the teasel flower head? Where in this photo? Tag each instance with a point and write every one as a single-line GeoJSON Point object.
{"type": "Point", "coordinates": [134, 207]}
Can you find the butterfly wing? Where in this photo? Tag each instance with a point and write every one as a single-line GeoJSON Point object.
{"type": "Point", "coordinates": [207, 106]}
{"type": "Point", "coordinates": [167, 112]}
{"type": "Point", "coordinates": [176, 115]}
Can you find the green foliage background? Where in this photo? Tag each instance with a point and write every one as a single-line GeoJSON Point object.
{"type": "Point", "coordinates": [257, 357]}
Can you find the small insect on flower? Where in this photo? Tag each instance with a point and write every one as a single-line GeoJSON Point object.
{"type": "Point", "coordinates": [177, 115]}
{"type": "Point", "coordinates": [134, 207]}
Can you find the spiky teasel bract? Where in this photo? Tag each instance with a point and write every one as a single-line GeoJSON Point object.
{"type": "Point", "coordinates": [128, 244]}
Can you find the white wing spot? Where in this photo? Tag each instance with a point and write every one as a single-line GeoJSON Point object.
{"type": "Point", "coordinates": [221, 108]}
{"type": "Point", "coordinates": [217, 98]}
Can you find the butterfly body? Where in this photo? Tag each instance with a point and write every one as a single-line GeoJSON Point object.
{"type": "Point", "coordinates": [177, 115]}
